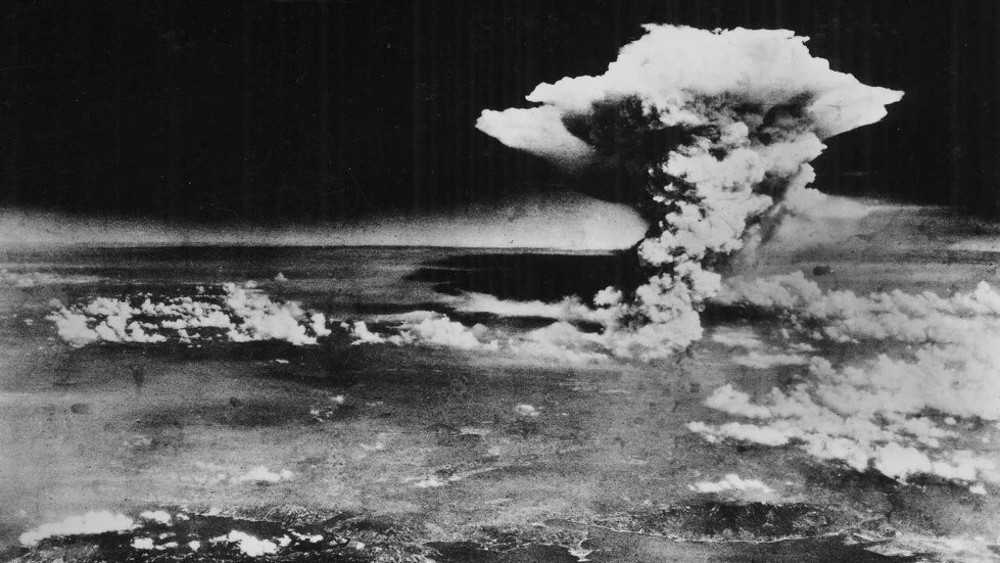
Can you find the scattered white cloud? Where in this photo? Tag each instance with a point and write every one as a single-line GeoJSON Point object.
{"type": "Point", "coordinates": [94, 522]}
{"type": "Point", "coordinates": [945, 548]}
{"type": "Point", "coordinates": [526, 410]}
{"type": "Point", "coordinates": [736, 338]}
{"type": "Point", "coordinates": [742, 433]}
{"type": "Point", "coordinates": [142, 543]}
{"type": "Point", "coordinates": [731, 482]}
{"type": "Point", "coordinates": [431, 482]}
{"type": "Point", "coordinates": [363, 335]}
{"type": "Point", "coordinates": [758, 360]}
{"type": "Point", "coordinates": [73, 328]}
{"type": "Point", "coordinates": [569, 309]}
{"type": "Point", "coordinates": [559, 342]}
{"type": "Point", "coordinates": [728, 399]}
{"type": "Point", "coordinates": [848, 317]}
{"type": "Point", "coordinates": [251, 546]}
{"type": "Point", "coordinates": [865, 417]}
{"type": "Point", "coordinates": [439, 330]}
{"type": "Point", "coordinates": [897, 414]}
{"type": "Point", "coordinates": [311, 538]}
{"type": "Point", "coordinates": [239, 313]}
{"type": "Point", "coordinates": [261, 474]}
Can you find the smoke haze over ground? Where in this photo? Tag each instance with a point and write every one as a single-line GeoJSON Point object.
{"type": "Point", "coordinates": [718, 129]}
{"type": "Point", "coordinates": [554, 219]}
{"type": "Point", "coordinates": [739, 359]}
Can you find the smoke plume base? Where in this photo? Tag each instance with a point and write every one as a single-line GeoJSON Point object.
{"type": "Point", "coordinates": [891, 382]}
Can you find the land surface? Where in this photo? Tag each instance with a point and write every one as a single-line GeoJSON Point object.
{"type": "Point", "coordinates": [412, 453]}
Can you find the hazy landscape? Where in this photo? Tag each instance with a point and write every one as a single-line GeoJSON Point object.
{"type": "Point", "coordinates": [495, 281]}
{"type": "Point", "coordinates": [432, 449]}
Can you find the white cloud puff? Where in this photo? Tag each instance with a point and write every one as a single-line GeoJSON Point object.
{"type": "Point", "coordinates": [95, 522]}
{"type": "Point", "coordinates": [261, 474]}
{"type": "Point", "coordinates": [558, 342]}
{"type": "Point", "coordinates": [731, 482]}
{"type": "Point", "coordinates": [241, 314]}
{"type": "Point", "coordinates": [142, 543]}
{"type": "Point", "coordinates": [249, 545]}
{"type": "Point", "coordinates": [896, 414]}
{"type": "Point", "coordinates": [757, 360]}
{"type": "Point", "coordinates": [736, 338]}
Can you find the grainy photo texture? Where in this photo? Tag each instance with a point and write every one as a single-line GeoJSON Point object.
{"type": "Point", "coordinates": [499, 281]}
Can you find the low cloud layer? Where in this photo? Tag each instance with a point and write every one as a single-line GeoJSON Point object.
{"type": "Point", "coordinates": [231, 313]}
{"type": "Point", "coordinates": [559, 342]}
{"type": "Point", "coordinates": [731, 483]}
{"type": "Point", "coordinates": [94, 522]}
{"type": "Point", "coordinates": [552, 219]}
{"type": "Point", "coordinates": [905, 412]}
{"type": "Point", "coordinates": [181, 534]}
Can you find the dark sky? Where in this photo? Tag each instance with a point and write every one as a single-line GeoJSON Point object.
{"type": "Point", "coordinates": [307, 110]}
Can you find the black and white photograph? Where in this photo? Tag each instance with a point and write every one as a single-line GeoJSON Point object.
{"type": "Point", "coordinates": [500, 281]}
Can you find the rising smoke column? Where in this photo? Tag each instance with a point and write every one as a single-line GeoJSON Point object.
{"type": "Point", "coordinates": [718, 127]}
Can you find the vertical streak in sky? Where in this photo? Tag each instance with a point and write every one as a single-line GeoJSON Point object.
{"type": "Point", "coordinates": [986, 134]}
{"type": "Point", "coordinates": [281, 109]}
{"type": "Point", "coordinates": [996, 111]}
{"type": "Point", "coordinates": [417, 152]}
{"type": "Point", "coordinates": [246, 37]}
{"type": "Point", "coordinates": [118, 70]}
{"type": "Point", "coordinates": [173, 135]}
{"type": "Point", "coordinates": [433, 119]}
{"type": "Point", "coordinates": [11, 169]}
{"type": "Point", "coordinates": [344, 174]}
{"type": "Point", "coordinates": [324, 112]}
{"type": "Point", "coordinates": [955, 126]}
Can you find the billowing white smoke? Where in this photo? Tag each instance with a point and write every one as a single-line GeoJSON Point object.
{"type": "Point", "coordinates": [720, 125]}
{"type": "Point", "coordinates": [236, 314]}
{"type": "Point", "coordinates": [904, 414]}
{"type": "Point", "coordinates": [847, 317]}
{"type": "Point", "coordinates": [559, 342]}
